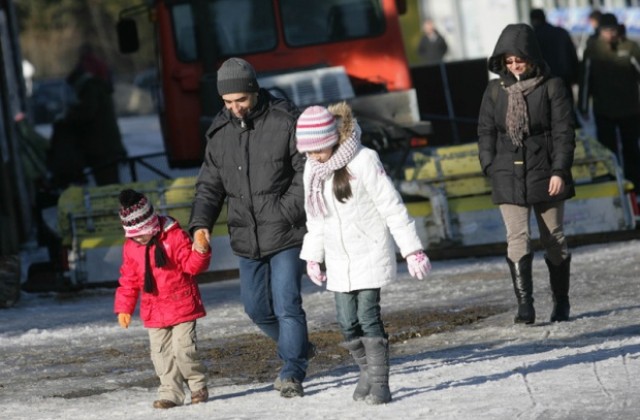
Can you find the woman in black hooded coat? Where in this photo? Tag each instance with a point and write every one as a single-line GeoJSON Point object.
{"type": "Point", "coordinates": [526, 144]}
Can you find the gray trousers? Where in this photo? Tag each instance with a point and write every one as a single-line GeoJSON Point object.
{"type": "Point", "coordinates": [175, 359]}
{"type": "Point", "coordinates": [549, 217]}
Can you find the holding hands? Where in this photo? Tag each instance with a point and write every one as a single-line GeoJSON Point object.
{"type": "Point", "coordinates": [201, 241]}
{"type": "Point", "coordinates": [315, 274]}
{"type": "Point", "coordinates": [418, 264]}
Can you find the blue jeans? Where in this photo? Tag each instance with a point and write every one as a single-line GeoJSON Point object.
{"type": "Point", "coordinates": [270, 292]}
{"type": "Point", "coordinates": [358, 314]}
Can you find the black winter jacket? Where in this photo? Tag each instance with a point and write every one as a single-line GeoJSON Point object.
{"type": "Point", "coordinates": [521, 175]}
{"type": "Point", "coordinates": [609, 76]}
{"type": "Point", "coordinates": [259, 171]}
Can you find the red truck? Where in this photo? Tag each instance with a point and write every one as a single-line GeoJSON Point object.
{"type": "Point", "coordinates": [312, 52]}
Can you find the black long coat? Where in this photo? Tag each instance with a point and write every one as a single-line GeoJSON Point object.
{"type": "Point", "coordinates": [521, 175]}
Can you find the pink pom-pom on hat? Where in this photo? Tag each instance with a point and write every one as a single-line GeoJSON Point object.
{"type": "Point", "coordinates": [316, 129]}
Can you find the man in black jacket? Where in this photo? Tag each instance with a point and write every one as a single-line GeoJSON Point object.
{"type": "Point", "coordinates": [251, 160]}
{"type": "Point", "coordinates": [609, 86]}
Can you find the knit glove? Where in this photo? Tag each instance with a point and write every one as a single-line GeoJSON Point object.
{"type": "Point", "coordinates": [124, 320]}
{"type": "Point", "coordinates": [418, 264]}
{"type": "Point", "coordinates": [315, 274]}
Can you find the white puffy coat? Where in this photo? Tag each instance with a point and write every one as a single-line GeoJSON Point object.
{"type": "Point", "coordinates": [355, 239]}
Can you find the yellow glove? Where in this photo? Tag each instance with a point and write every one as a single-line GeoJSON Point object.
{"type": "Point", "coordinates": [124, 320]}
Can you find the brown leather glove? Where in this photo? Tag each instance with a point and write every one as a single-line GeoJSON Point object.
{"type": "Point", "coordinates": [200, 241]}
{"type": "Point", "coordinates": [124, 320]}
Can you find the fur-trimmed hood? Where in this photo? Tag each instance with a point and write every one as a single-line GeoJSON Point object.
{"type": "Point", "coordinates": [345, 120]}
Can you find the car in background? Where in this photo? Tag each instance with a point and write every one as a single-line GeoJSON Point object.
{"type": "Point", "coordinates": [49, 100]}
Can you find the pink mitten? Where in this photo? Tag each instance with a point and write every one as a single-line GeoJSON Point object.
{"type": "Point", "coordinates": [315, 274]}
{"type": "Point", "coordinates": [418, 264]}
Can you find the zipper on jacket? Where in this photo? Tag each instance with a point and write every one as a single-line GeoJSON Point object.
{"type": "Point", "coordinates": [251, 207]}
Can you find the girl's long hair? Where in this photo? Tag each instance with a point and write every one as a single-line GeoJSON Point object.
{"type": "Point", "coordinates": [341, 185]}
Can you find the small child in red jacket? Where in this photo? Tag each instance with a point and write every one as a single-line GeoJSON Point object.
{"type": "Point", "coordinates": [160, 263]}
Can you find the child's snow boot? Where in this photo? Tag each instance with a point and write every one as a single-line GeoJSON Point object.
{"type": "Point", "coordinates": [164, 404]}
{"type": "Point", "coordinates": [356, 348]}
{"type": "Point", "coordinates": [377, 353]}
{"type": "Point", "coordinates": [200, 396]}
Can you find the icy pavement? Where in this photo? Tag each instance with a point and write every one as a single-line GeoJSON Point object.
{"type": "Point", "coordinates": [62, 358]}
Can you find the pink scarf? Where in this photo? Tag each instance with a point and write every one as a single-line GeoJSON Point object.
{"type": "Point", "coordinates": [321, 171]}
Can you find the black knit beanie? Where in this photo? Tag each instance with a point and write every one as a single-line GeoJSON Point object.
{"type": "Point", "coordinates": [236, 76]}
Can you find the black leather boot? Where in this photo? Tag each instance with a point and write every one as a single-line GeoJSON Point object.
{"type": "Point", "coordinates": [523, 287]}
{"type": "Point", "coordinates": [559, 279]}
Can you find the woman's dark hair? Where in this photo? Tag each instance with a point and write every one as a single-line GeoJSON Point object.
{"type": "Point", "coordinates": [341, 185]}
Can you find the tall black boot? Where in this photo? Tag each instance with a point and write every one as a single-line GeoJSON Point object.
{"type": "Point", "coordinates": [559, 279]}
{"type": "Point", "coordinates": [356, 348]}
{"type": "Point", "coordinates": [523, 287]}
{"type": "Point", "coordinates": [377, 351]}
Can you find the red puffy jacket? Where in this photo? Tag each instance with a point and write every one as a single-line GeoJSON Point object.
{"type": "Point", "coordinates": [176, 298]}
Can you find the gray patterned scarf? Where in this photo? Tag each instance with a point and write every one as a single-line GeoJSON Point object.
{"type": "Point", "coordinates": [517, 115]}
{"type": "Point", "coordinates": [321, 171]}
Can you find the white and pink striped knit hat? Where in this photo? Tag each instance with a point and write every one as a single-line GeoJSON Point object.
{"type": "Point", "coordinates": [137, 215]}
{"type": "Point", "coordinates": [316, 130]}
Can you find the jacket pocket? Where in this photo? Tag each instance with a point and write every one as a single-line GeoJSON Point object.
{"type": "Point", "coordinates": [158, 357]}
{"type": "Point", "coordinates": [183, 301]}
{"type": "Point", "coordinates": [146, 308]}
{"type": "Point", "coordinates": [369, 236]}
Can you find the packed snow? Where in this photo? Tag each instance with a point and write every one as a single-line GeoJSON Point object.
{"type": "Point", "coordinates": [57, 352]}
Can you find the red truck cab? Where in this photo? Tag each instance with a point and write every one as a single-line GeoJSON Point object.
{"type": "Point", "coordinates": [362, 37]}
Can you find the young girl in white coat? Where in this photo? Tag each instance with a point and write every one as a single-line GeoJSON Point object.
{"type": "Point", "coordinates": [354, 214]}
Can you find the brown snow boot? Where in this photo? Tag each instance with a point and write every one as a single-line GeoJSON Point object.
{"type": "Point", "coordinates": [356, 348]}
{"type": "Point", "coordinates": [164, 404]}
{"type": "Point", "coordinates": [521, 276]}
{"type": "Point", "coordinates": [200, 396]}
{"type": "Point", "coordinates": [559, 279]}
{"type": "Point", "coordinates": [377, 353]}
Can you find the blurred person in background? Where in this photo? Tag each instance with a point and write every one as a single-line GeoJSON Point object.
{"type": "Point", "coordinates": [609, 86]}
{"type": "Point", "coordinates": [90, 62]}
{"type": "Point", "coordinates": [90, 126]}
{"type": "Point", "coordinates": [433, 46]}
{"type": "Point", "coordinates": [557, 49]}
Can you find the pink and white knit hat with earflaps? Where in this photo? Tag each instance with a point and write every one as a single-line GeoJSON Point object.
{"type": "Point", "coordinates": [139, 218]}
{"type": "Point", "coordinates": [316, 130]}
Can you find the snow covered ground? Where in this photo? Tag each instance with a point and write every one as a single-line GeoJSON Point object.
{"type": "Point", "coordinates": [65, 357]}
{"type": "Point", "coordinates": [57, 354]}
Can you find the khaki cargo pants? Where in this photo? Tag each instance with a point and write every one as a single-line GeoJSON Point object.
{"type": "Point", "coordinates": [175, 359]}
